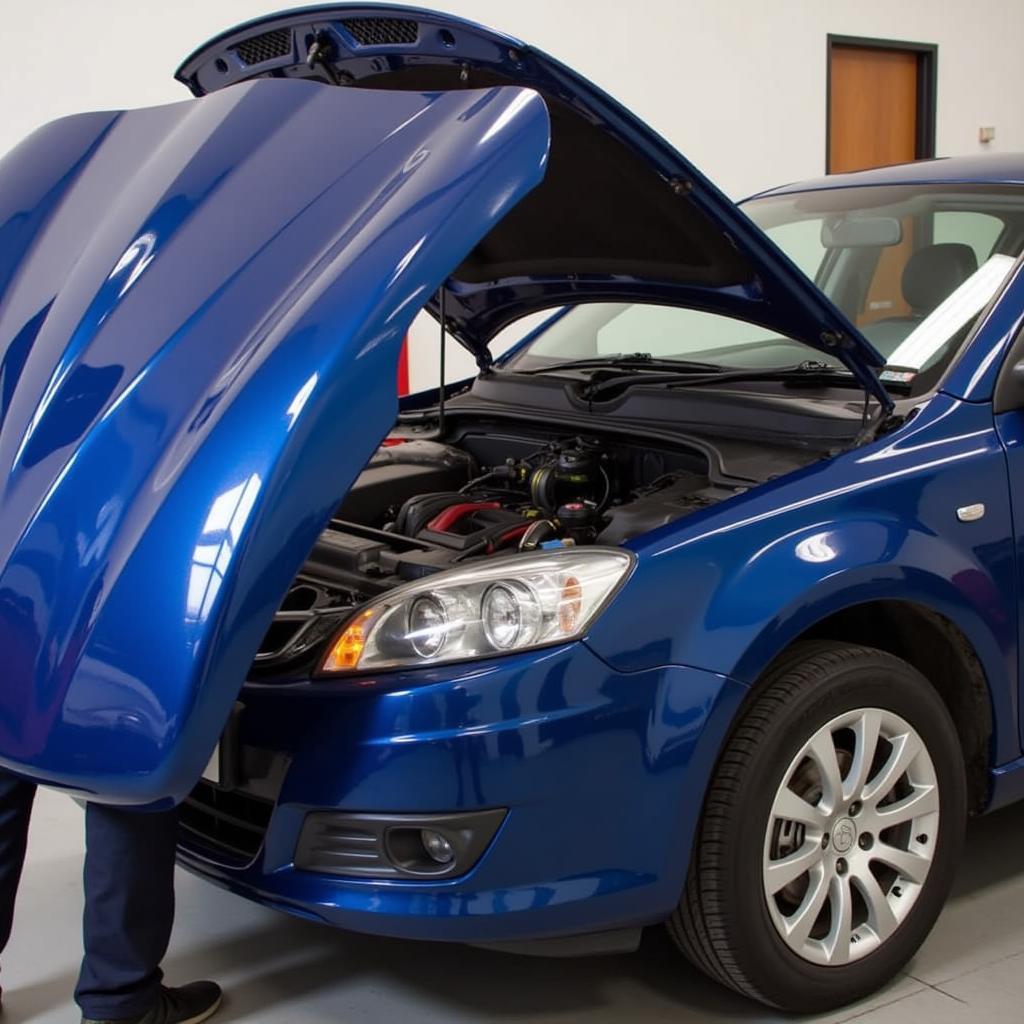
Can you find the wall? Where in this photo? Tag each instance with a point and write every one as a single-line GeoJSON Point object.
{"type": "Point", "coordinates": [739, 85]}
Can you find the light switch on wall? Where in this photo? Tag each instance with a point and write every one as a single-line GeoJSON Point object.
{"type": "Point", "coordinates": [986, 133]}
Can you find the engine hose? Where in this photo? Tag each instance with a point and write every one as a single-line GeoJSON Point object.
{"type": "Point", "coordinates": [542, 488]}
{"type": "Point", "coordinates": [607, 491]}
{"type": "Point", "coordinates": [476, 481]}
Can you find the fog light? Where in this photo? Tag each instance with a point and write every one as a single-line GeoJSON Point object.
{"type": "Point", "coordinates": [437, 847]}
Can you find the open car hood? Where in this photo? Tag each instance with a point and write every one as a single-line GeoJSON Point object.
{"type": "Point", "coordinates": [202, 307]}
{"type": "Point", "coordinates": [621, 215]}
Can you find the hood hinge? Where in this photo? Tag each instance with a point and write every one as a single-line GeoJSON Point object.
{"type": "Point", "coordinates": [484, 360]}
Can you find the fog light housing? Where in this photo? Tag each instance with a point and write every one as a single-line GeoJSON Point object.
{"type": "Point", "coordinates": [438, 848]}
{"type": "Point", "coordinates": [396, 845]}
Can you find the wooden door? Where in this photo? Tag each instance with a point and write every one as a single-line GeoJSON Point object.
{"type": "Point", "coordinates": [878, 114]}
{"type": "Point", "coordinates": [873, 107]}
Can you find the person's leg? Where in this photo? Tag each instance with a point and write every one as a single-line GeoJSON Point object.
{"type": "Point", "coordinates": [16, 798]}
{"type": "Point", "coordinates": [129, 910]}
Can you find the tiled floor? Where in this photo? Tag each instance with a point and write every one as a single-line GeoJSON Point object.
{"type": "Point", "coordinates": [276, 969]}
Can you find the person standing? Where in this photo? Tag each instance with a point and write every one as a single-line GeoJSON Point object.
{"type": "Point", "coordinates": [129, 910]}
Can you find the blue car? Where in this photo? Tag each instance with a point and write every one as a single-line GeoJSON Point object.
{"type": "Point", "coordinates": [698, 604]}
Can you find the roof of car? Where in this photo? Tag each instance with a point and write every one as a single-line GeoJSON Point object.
{"type": "Point", "coordinates": [980, 169]}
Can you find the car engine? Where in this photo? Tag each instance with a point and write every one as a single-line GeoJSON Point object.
{"type": "Point", "coordinates": [421, 506]}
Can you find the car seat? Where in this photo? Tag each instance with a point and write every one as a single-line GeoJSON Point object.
{"type": "Point", "coordinates": [929, 276]}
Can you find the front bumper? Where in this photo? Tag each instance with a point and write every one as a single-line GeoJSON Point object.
{"type": "Point", "coordinates": [602, 775]}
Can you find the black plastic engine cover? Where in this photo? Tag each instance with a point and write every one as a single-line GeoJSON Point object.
{"type": "Point", "coordinates": [687, 493]}
{"type": "Point", "coordinates": [395, 474]}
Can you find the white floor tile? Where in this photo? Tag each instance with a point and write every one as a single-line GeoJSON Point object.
{"type": "Point", "coordinates": [926, 1007]}
{"type": "Point", "coordinates": [276, 969]}
{"type": "Point", "coordinates": [984, 918]}
{"type": "Point", "coordinates": [994, 992]}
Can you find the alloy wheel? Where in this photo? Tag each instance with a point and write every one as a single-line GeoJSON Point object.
{"type": "Point", "coordinates": [851, 836]}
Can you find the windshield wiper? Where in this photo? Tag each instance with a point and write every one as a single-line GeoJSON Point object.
{"type": "Point", "coordinates": [808, 372]}
{"type": "Point", "coordinates": [635, 361]}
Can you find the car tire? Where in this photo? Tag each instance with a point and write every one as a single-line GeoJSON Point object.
{"type": "Point", "coordinates": [814, 880]}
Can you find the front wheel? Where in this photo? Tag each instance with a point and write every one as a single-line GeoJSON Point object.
{"type": "Point", "coordinates": [831, 832]}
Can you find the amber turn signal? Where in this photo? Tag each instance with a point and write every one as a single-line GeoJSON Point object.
{"type": "Point", "coordinates": [570, 605]}
{"type": "Point", "coordinates": [346, 651]}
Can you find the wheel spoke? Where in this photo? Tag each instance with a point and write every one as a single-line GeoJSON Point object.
{"type": "Point", "coordinates": [866, 732]}
{"type": "Point", "coordinates": [910, 865]}
{"type": "Point", "coordinates": [837, 942]}
{"type": "Point", "coordinates": [790, 807]}
{"type": "Point", "coordinates": [852, 838]}
{"type": "Point", "coordinates": [904, 749]}
{"type": "Point", "coordinates": [924, 800]}
{"type": "Point", "coordinates": [881, 919]}
{"type": "Point", "coordinates": [779, 873]}
{"type": "Point", "coordinates": [801, 921]}
{"type": "Point", "coordinates": [822, 750]}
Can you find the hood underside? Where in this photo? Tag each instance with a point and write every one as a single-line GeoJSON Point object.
{"type": "Point", "coordinates": [620, 216]}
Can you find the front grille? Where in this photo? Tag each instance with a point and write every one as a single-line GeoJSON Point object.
{"type": "Point", "coordinates": [308, 614]}
{"type": "Point", "coordinates": [268, 46]}
{"type": "Point", "coordinates": [229, 821]}
{"type": "Point", "coordinates": [382, 31]}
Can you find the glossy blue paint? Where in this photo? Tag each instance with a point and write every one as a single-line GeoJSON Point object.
{"type": "Point", "coordinates": [589, 744]}
{"type": "Point", "coordinates": [594, 766]}
{"type": "Point", "coordinates": [1010, 428]}
{"type": "Point", "coordinates": [199, 326]}
{"type": "Point", "coordinates": [979, 169]}
{"type": "Point", "coordinates": [1007, 784]}
{"type": "Point", "coordinates": [775, 293]}
{"type": "Point", "coordinates": [875, 523]}
{"type": "Point", "coordinates": [188, 302]}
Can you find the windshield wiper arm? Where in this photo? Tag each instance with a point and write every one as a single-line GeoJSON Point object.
{"type": "Point", "coordinates": [635, 361]}
{"type": "Point", "coordinates": [807, 371]}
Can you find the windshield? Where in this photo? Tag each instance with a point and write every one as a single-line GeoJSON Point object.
{"type": "Point", "coordinates": [911, 266]}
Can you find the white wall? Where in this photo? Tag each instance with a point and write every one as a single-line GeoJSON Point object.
{"type": "Point", "coordinates": [738, 85]}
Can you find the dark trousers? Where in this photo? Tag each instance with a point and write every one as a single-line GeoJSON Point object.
{"type": "Point", "coordinates": [129, 898]}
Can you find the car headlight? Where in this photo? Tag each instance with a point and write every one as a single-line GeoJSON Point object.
{"type": "Point", "coordinates": [507, 604]}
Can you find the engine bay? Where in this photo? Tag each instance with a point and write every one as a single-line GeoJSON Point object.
{"type": "Point", "coordinates": [421, 506]}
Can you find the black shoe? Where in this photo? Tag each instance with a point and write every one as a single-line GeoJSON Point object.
{"type": "Point", "coordinates": [189, 1004]}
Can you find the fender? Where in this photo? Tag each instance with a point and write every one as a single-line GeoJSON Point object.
{"type": "Point", "coordinates": [917, 586]}
{"type": "Point", "coordinates": [790, 597]}
{"type": "Point", "coordinates": [746, 578]}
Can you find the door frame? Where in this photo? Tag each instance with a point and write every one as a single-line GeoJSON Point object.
{"type": "Point", "coordinates": [927, 87]}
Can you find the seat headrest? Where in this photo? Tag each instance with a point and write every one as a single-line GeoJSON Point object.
{"type": "Point", "coordinates": [935, 271]}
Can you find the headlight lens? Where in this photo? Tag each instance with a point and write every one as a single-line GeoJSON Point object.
{"type": "Point", "coordinates": [507, 604]}
{"type": "Point", "coordinates": [511, 615]}
{"type": "Point", "coordinates": [428, 625]}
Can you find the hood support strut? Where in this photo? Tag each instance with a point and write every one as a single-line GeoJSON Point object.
{"type": "Point", "coordinates": [442, 382]}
